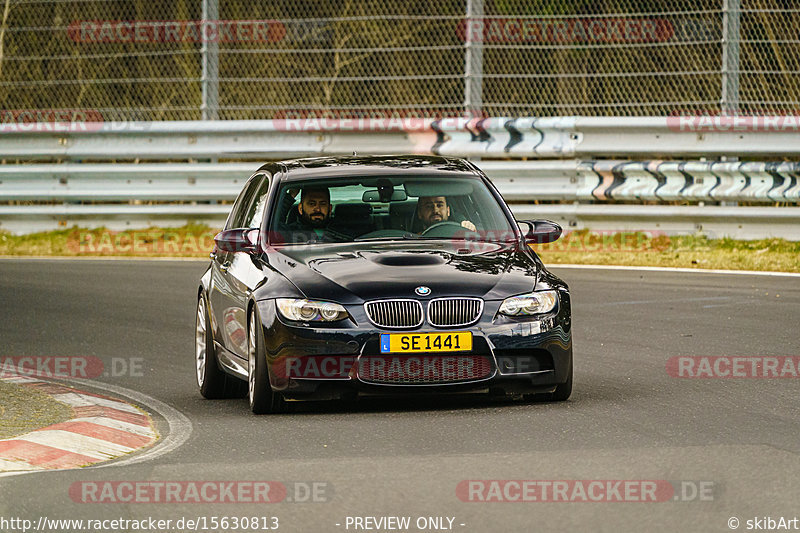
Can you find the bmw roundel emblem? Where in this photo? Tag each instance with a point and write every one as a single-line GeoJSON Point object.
{"type": "Point", "coordinates": [422, 290]}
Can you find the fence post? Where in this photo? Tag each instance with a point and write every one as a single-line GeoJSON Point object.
{"type": "Point", "coordinates": [730, 56]}
{"type": "Point", "coordinates": [210, 56]}
{"type": "Point", "coordinates": [473, 59]}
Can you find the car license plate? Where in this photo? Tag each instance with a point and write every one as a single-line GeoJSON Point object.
{"type": "Point", "coordinates": [426, 342]}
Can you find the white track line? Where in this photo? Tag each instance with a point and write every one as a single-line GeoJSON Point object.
{"type": "Point", "coordinates": [144, 431]}
{"type": "Point", "coordinates": [675, 269]}
{"type": "Point", "coordinates": [565, 265]}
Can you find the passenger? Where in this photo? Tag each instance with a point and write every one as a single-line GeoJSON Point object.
{"type": "Point", "coordinates": [314, 212]}
{"type": "Point", "coordinates": [314, 209]}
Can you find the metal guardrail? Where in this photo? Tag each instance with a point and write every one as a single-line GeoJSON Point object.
{"type": "Point", "coordinates": [713, 221]}
{"type": "Point", "coordinates": [33, 218]}
{"type": "Point", "coordinates": [647, 181]}
{"type": "Point", "coordinates": [85, 190]}
{"type": "Point", "coordinates": [73, 182]}
{"type": "Point", "coordinates": [530, 137]}
{"type": "Point", "coordinates": [73, 185]}
{"type": "Point", "coordinates": [518, 181]}
{"type": "Point", "coordinates": [629, 137]}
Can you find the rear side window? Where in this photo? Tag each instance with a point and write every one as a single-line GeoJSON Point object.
{"type": "Point", "coordinates": [255, 211]}
{"type": "Point", "coordinates": [249, 206]}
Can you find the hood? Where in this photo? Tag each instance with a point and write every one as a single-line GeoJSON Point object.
{"type": "Point", "coordinates": [355, 272]}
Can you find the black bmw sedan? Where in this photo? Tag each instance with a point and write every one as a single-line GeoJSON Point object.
{"type": "Point", "coordinates": [341, 277]}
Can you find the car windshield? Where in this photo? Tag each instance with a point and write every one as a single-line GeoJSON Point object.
{"type": "Point", "coordinates": [387, 208]}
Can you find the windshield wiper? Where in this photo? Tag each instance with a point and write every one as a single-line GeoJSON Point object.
{"type": "Point", "coordinates": [394, 238]}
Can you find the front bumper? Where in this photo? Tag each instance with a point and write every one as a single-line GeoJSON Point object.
{"type": "Point", "coordinates": [508, 356]}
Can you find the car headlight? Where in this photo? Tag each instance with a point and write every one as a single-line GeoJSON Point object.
{"type": "Point", "coordinates": [303, 310]}
{"type": "Point", "coordinates": [532, 303]}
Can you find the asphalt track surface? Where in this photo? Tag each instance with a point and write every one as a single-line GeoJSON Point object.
{"type": "Point", "coordinates": [628, 419]}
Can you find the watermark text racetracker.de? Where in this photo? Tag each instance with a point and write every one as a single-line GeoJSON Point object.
{"type": "Point", "coordinates": [611, 241]}
{"type": "Point", "coordinates": [727, 367]}
{"type": "Point", "coordinates": [144, 242]}
{"type": "Point", "coordinates": [733, 122]}
{"type": "Point", "coordinates": [70, 366]}
{"type": "Point", "coordinates": [65, 121]}
{"type": "Point", "coordinates": [175, 31]}
{"type": "Point", "coordinates": [200, 491]}
{"type": "Point", "coordinates": [580, 241]}
{"type": "Point", "coordinates": [155, 242]}
{"type": "Point", "coordinates": [386, 367]}
{"type": "Point", "coordinates": [569, 30]}
{"type": "Point", "coordinates": [583, 490]}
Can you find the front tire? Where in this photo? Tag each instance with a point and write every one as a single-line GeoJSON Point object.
{"type": "Point", "coordinates": [562, 393]}
{"type": "Point", "coordinates": [210, 379]}
{"type": "Point", "coordinates": [263, 399]}
{"type": "Point", "coordinates": [563, 390]}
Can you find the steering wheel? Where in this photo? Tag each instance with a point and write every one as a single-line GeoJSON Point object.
{"type": "Point", "coordinates": [446, 223]}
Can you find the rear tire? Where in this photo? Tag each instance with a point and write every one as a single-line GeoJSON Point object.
{"type": "Point", "coordinates": [263, 400]}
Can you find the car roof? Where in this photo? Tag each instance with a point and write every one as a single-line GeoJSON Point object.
{"type": "Point", "coordinates": [337, 167]}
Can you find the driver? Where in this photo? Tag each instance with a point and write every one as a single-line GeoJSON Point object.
{"type": "Point", "coordinates": [434, 210]}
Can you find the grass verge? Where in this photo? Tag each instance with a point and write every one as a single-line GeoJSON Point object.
{"type": "Point", "coordinates": [23, 409]}
{"type": "Point", "coordinates": [685, 251]}
{"type": "Point", "coordinates": [578, 247]}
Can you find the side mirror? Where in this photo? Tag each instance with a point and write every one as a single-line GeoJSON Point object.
{"type": "Point", "coordinates": [539, 231]}
{"type": "Point", "coordinates": [237, 240]}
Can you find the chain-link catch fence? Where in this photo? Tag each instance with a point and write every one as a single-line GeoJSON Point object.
{"type": "Point", "coordinates": [232, 59]}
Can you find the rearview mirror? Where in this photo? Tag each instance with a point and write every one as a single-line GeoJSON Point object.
{"type": "Point", "coordinates": [539, 231]}
{"type": "Point", "coordinates": [237, 240]}
{"type": "Point", "coordinates": [374, 195]}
